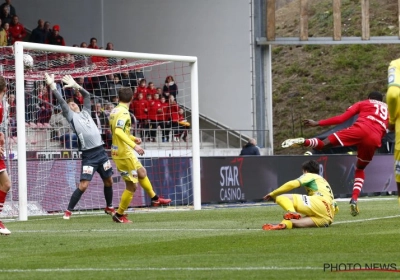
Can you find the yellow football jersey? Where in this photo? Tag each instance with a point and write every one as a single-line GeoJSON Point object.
{"type": "Point", "coordinates": [394, 73]}
{"type": "Point", "coordinates": [316, 185]}
{"type": "Point", "coordinates": [120, 118]}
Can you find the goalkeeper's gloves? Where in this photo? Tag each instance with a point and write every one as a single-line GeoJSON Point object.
{"type": "Point", "coordinates": [70, 82]}
{"type": "Point", "coordinates": [50, 81]}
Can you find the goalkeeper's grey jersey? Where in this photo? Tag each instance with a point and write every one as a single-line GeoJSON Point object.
{"type": "Point", "coordinates": [82, 123]}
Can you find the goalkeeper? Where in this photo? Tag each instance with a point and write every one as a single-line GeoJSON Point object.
{"type": "Point", "coordinates": [94, 157]}
{"type": "Point", "coordinates": [130, 168]}
{"type": "Point", "coordinates": [318, 206]}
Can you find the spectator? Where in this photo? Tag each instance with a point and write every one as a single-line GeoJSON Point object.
{"type": "Point", "coordinates": [151, 89]}
{"type": "Point", "coordinates": [147, 127]}
{"type": "Point", "coordinates": [140, 108]}
{"type": "Point", "coordinates": [5, 16]}
{"type": "Point", "coordinates": [183, 124]}
{"type": "Point", "coordinates": [164, 116]}
{"type": "Point", "coordinates": [103, 124]}
{"type": "Point", "coordinates": [39, 34]}
{"type": "Point", "coordinates": [170, 87]}
{"type": "Point", "coordinates": [114, 85]}
{"type": "Point", "coordinates": [159, 91]}
{"type": "Point", "coordinates": [17, 30]}
{"type": "Point", "coordinates": [12, 116]}
{"type": "Point", "coordinates": [110, 46]}
{"type": "Point", "coordinates": [174, 115]}
{"type": "Point", "coordinates": [47, 30]}
{"type": "Point", "coordinates": [10, 7]}
{"type": "Point", "coordinates": [54, 38]}
{"type": "Point", "coordinates": [136, 76]}
{"type": "Point", "coordinates": [78, 98]}
{"type": "Point", "coordinates": [98, 60]}
{"type": "Point", "coordinates": [6, 27]}
{"type": "Point", "coordinates": [44, 112]}
{"type": "Point", "coordinates": [126, 79]}
{"type": "Point", "coordinates": [111, 60]}
{"type": "Point", "coordinates": [93, 44]}
{"type": "Point", "coordinates": [141, 88]}
{"type": "Point", "coordinates": [155, 116]}
{"type": "Point", "coordinates": [3, 36]}
{"type": "Point", "coordinates": [60, 125]}
{"type": "Point", "coordinates": [250, 149]}
{"type": "Point", "coordinates": [108, 107]}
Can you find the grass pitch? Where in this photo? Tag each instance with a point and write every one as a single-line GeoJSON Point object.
{"type": "Point", "coordinates": [215, 243]}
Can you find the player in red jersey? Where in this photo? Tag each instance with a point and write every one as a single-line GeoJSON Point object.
{"type": "Point", "coordinates": [5, 182]}
{"type": "Point", "coordinates": [366, 134]}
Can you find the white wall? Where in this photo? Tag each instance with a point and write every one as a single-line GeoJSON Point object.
{"type": "Point", "coordinates": [216, 31]}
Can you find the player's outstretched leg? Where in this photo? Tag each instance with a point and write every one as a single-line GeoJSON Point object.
{"type": "Point", "coordinates": [354, 208]}
{"type": "Point", "coordinates": [294, 142]}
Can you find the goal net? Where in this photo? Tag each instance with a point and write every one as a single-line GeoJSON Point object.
{"type": "Point", "coordinates": [42, 155]}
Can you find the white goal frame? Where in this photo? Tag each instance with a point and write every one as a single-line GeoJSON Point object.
{"type": "Point", "coordinates": [19, 48]}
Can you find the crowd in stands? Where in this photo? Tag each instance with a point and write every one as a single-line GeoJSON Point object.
{"type": "Point", "coordinates": [152, 107]}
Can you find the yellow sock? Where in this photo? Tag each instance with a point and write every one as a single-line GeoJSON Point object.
{"type": "Point", "coordinates": [146, 185]}
{"type": "Point", "coordinates": [288, 223]}
{"type": "Point", "coordinates": [285, 203]}
{"type": "Point", "coordinates": [126, 199]}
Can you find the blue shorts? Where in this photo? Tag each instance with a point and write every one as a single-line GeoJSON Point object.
{"type": "Point", "coordinates": [93, 160]}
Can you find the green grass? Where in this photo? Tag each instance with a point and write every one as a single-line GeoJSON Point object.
{"type": "Point", "coordinates": [217, 243]}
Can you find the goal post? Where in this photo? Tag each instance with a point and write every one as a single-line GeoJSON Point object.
{"type": "Point", "coordinates": [50, 58]}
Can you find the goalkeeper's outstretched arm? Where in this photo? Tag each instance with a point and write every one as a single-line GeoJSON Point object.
{"type": "Point", "coordinates": [66, 111]}
{"type": "Point", "coordinates": [71, 83]}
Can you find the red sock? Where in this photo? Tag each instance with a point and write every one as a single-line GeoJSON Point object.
{"type": "Point", "coordinates": [358, 183]}
{"type": "Point", "coordinates": [2, 199]}
{"type": "Point", "coordinates": [314, 143]}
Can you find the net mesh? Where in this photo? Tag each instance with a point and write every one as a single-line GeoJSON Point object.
{"type": "Point", "coordinates": [53, 160]}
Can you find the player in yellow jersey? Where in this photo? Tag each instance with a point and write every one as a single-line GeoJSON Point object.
{"type": "Point", "coordinates": [318, 206]}
{"type": "Point", "coordinates": [130, 168]}
{"type": "Point", "coordinates": [393, 102]}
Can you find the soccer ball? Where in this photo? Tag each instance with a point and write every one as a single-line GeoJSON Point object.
{"type": "Point", "coordinates": [308, 153]}
{"type": "Point", "coordinates": [28, 61]}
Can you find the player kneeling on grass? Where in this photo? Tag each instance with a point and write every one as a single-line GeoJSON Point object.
{"type": "Point", "coordinates": [122, 151]}
{"type": "Point", "coordinates": [318, 206]}
{"type": "Point", "coordinates": [94, 157]}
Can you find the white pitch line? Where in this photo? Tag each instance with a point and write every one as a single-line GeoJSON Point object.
{"type": "Point", "coordinates": [186, 229]}
{"type": "Point", "coordinates": [162, 269]}
{"type": "Point", "coordinates": [366, 220]}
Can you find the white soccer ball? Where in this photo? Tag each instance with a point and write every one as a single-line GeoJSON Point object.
{"type": "Point", "coordinates": [28, 61]}
{"type": "Point", "coordinates": [308, 153]}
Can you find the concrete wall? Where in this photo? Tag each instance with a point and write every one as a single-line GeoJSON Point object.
{"type": "Point", "coordinates": [216, 31]}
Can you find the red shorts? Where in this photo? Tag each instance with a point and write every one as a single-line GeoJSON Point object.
{"type": "Point", "coordinates": [365, 139]}
{"type": "Point", "coordinates": [2, 165]}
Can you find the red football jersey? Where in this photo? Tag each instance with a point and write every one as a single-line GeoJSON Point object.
{"type": "Point", "coordinates": [372, 114]}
